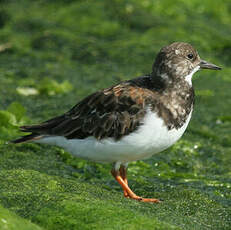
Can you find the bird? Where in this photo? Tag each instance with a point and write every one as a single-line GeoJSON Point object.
{"type": "Point", "coordinates": [131, 120]}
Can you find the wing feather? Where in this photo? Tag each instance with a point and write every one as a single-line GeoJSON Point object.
{"type": "Point", "coordinates": [113, 112]}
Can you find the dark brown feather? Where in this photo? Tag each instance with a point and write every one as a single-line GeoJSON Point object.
{"type": "Point", "coordinates": [118, 111]}
{"type": "Point", "coordinates": [30, 137]}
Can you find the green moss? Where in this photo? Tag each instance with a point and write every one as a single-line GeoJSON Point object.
{"type": "Point", "coordinates": [10, 119]}
{"type": "Point", "coordinates": [51, 87]}
{"type": "Point", "coordinates": [9, 220]}
{"type": "Point", "coordinates": [57, 46]}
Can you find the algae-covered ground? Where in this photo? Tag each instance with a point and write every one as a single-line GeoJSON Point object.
{"type": "Point", "coordinates": [52, 54]}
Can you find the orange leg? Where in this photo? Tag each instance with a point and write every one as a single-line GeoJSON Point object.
{"type": "Point", "coordinates": [123, 173]}
{"type": "Point", "coordinates": [122, 180]}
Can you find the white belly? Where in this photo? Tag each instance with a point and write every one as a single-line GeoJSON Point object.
{"type": "Point", "coordinates": [152, 137]}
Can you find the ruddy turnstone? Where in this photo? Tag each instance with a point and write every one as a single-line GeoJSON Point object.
{"type": "Point", "coordinates": [131, 120]}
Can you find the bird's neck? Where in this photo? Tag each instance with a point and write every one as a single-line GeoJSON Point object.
{"type": "Point", "coordinates": [166, 82]}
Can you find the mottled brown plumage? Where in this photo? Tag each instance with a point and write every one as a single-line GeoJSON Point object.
{"type": "Point", "coordinates": [120, 109]}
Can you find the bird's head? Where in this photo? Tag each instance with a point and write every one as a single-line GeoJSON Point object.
{"type": "Point", "coordinates": [179, 60]}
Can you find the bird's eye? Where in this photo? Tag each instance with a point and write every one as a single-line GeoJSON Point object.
{"type": "Point", "coordinates": [190, 56]}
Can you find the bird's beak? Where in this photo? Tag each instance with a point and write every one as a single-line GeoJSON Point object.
{"type": "Point", "coordinates": [206, 65]}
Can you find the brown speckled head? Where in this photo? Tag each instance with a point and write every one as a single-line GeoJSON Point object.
{"type": "Point", "coordinates": [178, 60]}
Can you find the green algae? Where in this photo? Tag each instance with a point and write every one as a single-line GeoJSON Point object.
{"type": "Point", "coordinates": [9, 220]}
{"type": "Point", "coordinates": [60, 51]}
{"type": "Point", "coordinates": [10, 119]}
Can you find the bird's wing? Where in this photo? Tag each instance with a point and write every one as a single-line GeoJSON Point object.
{"type": "Point", "coordinates": [113, 112]}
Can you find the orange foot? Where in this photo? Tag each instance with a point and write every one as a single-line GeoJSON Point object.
{"type": "Point", "coordinates": [121, 178]}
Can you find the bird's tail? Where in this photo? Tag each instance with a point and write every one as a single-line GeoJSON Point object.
{"type": "Point", "coordinates": [38, 131]}
{"type": "Point", "coordinates": [30, 137]}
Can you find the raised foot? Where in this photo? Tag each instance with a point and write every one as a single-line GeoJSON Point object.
{"type": "Point", "coordinates": [141, 199]}
{"type": "Point", "coordinates": [120, 176]}
{"type": "Point", "coordinates": [150, 200]}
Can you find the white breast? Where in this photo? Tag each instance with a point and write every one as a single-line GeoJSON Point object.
{"type": "Point", "coordinates": [152, 137]}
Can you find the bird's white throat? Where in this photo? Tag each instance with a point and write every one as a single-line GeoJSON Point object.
{"type": "Point", "coordinates": [188, 78]}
